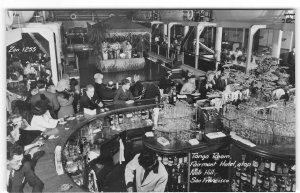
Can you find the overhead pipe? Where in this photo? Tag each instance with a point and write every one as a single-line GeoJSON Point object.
{"type": "Point", "coordinates": [23, 17]}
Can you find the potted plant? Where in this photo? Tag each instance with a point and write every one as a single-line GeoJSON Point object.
{"type": "Point", "coordinates": [96, 35]}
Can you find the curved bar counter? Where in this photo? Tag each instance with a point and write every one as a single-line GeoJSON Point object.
{"type": "Point", "coordinates": [46, 169]}
{"type": "Point", "coordinates": [277, 152]}
{"type": "Point", "coordinates": [179, 147]}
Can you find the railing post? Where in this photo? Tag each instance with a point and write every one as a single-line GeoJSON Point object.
{"type": "Point", "coordinates": [218, 46]}
{"type": "Point", "coordinates": [197, 45]}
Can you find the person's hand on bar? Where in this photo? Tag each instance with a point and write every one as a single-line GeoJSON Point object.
{"type": "Point", "coordinates": [129, 101]}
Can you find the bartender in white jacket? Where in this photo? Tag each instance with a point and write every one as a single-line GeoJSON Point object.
{"type": "Point", "coordinates": [151, 174]}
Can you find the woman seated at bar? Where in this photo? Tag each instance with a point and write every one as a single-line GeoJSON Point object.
{"type": "Point", "coordinates": [89, 99]}
{"type": "Point", "coordinates": [123, 95]}
{"type": "Point", "coordinates": [190, 86]}
{"type": "Point", "coordinates": [42, 119]}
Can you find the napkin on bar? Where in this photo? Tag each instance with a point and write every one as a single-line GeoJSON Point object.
{"type": "Point", "coordinates": [215, 135]}
{"type": "Point", "coordinates": [242, 140]}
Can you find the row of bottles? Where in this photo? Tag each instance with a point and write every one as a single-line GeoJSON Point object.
{"type": "Point", "coordinates": [172, 96]}
{"type": "Point", "coordinates": [134, 116]}
{"type": "Point", "coordinates": [210, 114]}
{"type": "Point", "coordinates": [263, 175]}
{"type": "Point", "coordinates": [177, 168]}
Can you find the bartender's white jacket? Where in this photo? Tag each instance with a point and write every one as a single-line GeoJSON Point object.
{"type": "Point", "coordinates": [155, 181]}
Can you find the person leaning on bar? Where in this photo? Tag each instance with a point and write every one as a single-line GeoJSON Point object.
{"type": "Point", "coordinates": [123, 95]}
{"type": "Point", "coordinates": [101, 89]}
{"type": "Point", "coordinates": [89, 99]}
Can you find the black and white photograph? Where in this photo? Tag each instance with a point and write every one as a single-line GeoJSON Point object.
{"type": "Point", "coordinates": [149, 99]}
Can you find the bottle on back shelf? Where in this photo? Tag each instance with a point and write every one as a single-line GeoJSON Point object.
{"type": "Point", "coordinates": [175, 160]}
{"type": "Point", "coordinates": [273, 166]}
{"type": "Point", "coordinates": [291, 169]}
{"type": "Point", "coordinates": [255, 163]}
{"type": "Point", "coordinates": [173, 174]}
{"type": "Point", "coordinates": [254, 178]}
{"type": "Point", "coordinates": [170, 161]}
{"type": "Point", "coordinates": [267, 166]}
{"type": "Point", "coordinates": [279, 168]}
{"type": "Point", "coordinates": [179, 174]}
{"type": "Point", "coordinates": [285, 169]}
{"type": "Point", "coordinates": [174, 95]}
{"type": "Point", "coordinates": [273, 185]}
{"type": "Point", "coordinates": [261, 166]}
{"type": "Point", "coordinates": [182, 172]}
{"type": "Point", "coordinates": [282, 184]}
{"type": "Point", "coordinates": [171, 101]}
{"type": "Point", "coordinates": [294, 184]}
{"type": "Point", "coordinates": [266, 183]}
{"type": "Point", "coordinates": [288, 184]}
{"type": "Point", "coordinates": [185, 159]}
{"type": "Point", "coordinates": [234, 184]}
{"type": "Point", "coordinates": [259, 181]}
{"type": "Point", "coordinates": [182, 188]}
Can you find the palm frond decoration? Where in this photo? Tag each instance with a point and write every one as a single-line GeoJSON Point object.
{"type": "Point", "coordinates": [97, 33]}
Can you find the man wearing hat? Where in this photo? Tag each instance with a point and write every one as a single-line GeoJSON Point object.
{"type": "Point", "coordinates": [101, 90]}
{"type": "Point", "coordinates": [190, 86]}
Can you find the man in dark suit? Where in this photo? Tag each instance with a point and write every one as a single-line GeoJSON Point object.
{"type": "Point", "coordinates": [51, 97]}
{"type": "Point", "coordinates": [89, 99]}
{"type": "Point", "coordinates": [123, 95]}
{"type": "Point", "coordinates": [150, 91]}
{"type": "Point", "coordinates": [101, 90]}
{"type": "Point", "coordinates": [20, 173]}
{"type": "Point", "coordinates": [137, 87]}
